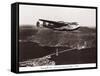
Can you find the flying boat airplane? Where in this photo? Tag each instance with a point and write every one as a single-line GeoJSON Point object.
{"type": "Point", "coordinates": [60, 25]}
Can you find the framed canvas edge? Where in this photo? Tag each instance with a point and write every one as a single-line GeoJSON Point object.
{"type": "Point", "coordinates": [52, 5]}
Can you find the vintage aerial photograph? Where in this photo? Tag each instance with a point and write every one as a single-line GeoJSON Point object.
{"type": "Point", "coordinates": [52, 37]}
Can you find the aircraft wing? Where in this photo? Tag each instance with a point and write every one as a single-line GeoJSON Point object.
{"type": "Point", "coordinates": [53, 22]}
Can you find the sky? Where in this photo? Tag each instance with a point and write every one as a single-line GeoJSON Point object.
{"type": "Point", "coordinates": [30, 14]}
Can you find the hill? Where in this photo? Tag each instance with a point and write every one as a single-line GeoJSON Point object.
{"type": "Point", "coordinates": [37, 42]}
{"type": "Point", "coordinates": [47, 37]}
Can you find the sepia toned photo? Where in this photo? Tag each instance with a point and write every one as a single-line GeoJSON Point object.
{"type": "Point", "coordinates": [56, 37]}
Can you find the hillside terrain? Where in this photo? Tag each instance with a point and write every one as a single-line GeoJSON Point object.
{"type": "Point", "coordinates": [35, 43]}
